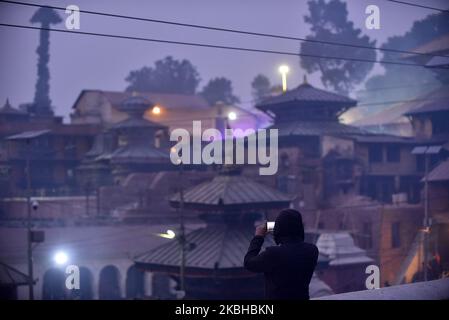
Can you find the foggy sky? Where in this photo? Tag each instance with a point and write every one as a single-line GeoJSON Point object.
{"type": "Point", "coordinates": [80, 62]}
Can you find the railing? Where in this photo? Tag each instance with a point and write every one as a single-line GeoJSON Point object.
{"type": "Point", "coordinates": [430, 290]}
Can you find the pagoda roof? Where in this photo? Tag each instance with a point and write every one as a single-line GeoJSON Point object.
{"type": "Point", "coordinates": [340, 249]}
{"type": "Point", "coordinates": [316, 128]}
{"type": "Point", "coordinates": [134, 122]}
{"type": "Point", "coordinates": [305, 94]}
{"type": "Point", "coordinates": [228, 190]}
{"type": "Point", "coordinates": [218, 248]}
{"type": "Point", "coordinates": [139, 154]}
{"type": "Point", "coordinates": [8, 109]}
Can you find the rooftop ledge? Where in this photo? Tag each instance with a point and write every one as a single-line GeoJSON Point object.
{"type": "Point", "coordinates": [430, 290]}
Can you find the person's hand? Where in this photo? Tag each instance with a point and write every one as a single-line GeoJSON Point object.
{"type": "Point", "coordinates": [261, 230]}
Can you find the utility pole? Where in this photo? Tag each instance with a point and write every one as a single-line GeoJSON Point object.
{"type": "Point", "coordinates": [182, 239]}
{"type": "Point", "coordinates": [426, 214]}
{"type": "Point", "coordinates": [29, 240]}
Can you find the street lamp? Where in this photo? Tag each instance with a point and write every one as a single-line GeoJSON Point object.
{"type": "Point", "coordinates": [232, 115]}
{"type": "Point", "coordinates": [60, 258]}
{"type": "Point", "coordinates": [284, 70]}
{"type": "Point", "coordinates": [156, 110]}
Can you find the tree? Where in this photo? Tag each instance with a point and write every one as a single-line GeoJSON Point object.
{"type": "Point", "coordinates": [219, 89]}
{"type": "Point", "coordinates": [167, 76]}
{"type": "Point", "coordinates": [405, 83]}
{"type": "Point", "coordinates": [329, 22]}
{"type": "Point", "coordinates": [261, 87]}
{"type": "Point", "coordinates": [42, 103]}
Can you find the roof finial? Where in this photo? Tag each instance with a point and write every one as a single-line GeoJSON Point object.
{"type": "Point", "coordinates": [305, 79]}
{"type": "Point", "coordinates": [7, 104]}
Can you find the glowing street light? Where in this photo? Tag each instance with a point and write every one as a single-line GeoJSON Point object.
{"type": "Point", "coordinates": [232, 115]}
{"type": "Point", "coordinates": [156, 110]}
{"type": "Point", "coordinates": [61, 258]}
{"type": "Point", "coordinates": [284, 69]}
{"type": "Point", "coordinates": [169, 234]}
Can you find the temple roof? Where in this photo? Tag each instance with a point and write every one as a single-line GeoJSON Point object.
{"type": "Point", "coordinates": [305, 94]}
{"type": "Point", "coordinates": [8, 109]}
{"type": "Point", "coordinates": [214, 248]}
{"type": "Point", "coordinates": [137, 123]}
{"type": "Point", "coordinates": [135, 105]}
{"type": "Point", "coordinates": [139, 154]}
{"type": "Point", "coordinates": [316, 128]}
{"type": "Point", "coordinates": [339, 247]}
{"type": "Point", "coordinates": [227, 190]}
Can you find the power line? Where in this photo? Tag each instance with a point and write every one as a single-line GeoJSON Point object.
{"type": "Point", "coordinates": [205, 45]}
{"type": "Point", "coordinates": [418, 6]}
{"type": "Point", "coordinates": [236, 31]}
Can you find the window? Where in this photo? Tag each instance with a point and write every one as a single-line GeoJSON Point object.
{"type": "Point", "coordinates": [375, 153]}
{"type": "Point", "coordinates": [395, 235]}
{"type": "Point", "coordinates": [393, 153]}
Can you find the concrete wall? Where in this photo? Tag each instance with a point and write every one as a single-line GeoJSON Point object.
{"type": "Point", "coordinates": [431, 290]}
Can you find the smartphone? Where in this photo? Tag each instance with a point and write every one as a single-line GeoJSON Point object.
{"type": "Point", "coordinates": [270, 226]}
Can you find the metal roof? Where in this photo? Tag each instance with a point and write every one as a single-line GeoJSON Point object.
{"type": "Point", "coordinates": [228, 190]}
{"type": "Point", "coordinates": [438, 62]}
{"type": "Point", "coordinates": [316, 128]}
{"type": "Point", "coordinates": [434, 106]}
{"type": "Point", "coordinates": [28, 135]}
{"type": "Point", "coordinates": [166, 100]}
{"type": "Point", "coordinates": [10, 276]}
{"type": "Point", "coordinates": [440, 172]}
{"type": "Point", "coordinates": [215, 247]}
{"type": "Point", "coordinates": [306, 93]}
{"type": "Point", "coordinates": [339, 247]}
{"type": "Point", "coordinates": [138, 153]}
{"type": "Point", "coordinates": [137, 123]}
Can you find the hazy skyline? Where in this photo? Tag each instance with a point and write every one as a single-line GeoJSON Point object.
{"type": "Point", "coordinates": [79, 62]}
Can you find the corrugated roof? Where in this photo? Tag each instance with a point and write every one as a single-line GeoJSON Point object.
{"type": "Point", "coordinates": [215, 247]}
{"type": "Point", "coordinates": [139, 153]}
{"type": "Point", "coordinates": [434, 106]}
{"type": "Point", "coordinates": [167, 100]}
{"type": "Point", "coordinates": [396, 114]}
{"type": "Point", "coordinates": [306, 93]}
{"type": "Point", "coordinates": [10, 276]}
{"type": "Point", "coordinates": [316, 128]}
{"type": "Point", "coordinates": [440, 172]}
{"type": "Point", "coordinates": [383, 138]}
{"type": "Point", "coordinates": [339, 247]}
{"type": "Point", "coordinates": [28, 135]}
{"type": "Point", "coordinates": [440, 44]}
{"type": "Point", "coordinates": [228, 190]}
{"type": "Point", "coordinates": [137, 123]}
{"type": "Point", "coordinates": [438, 62]}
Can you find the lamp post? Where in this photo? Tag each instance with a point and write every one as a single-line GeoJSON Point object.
{"type": "Point", "coordinates": [284, 70]}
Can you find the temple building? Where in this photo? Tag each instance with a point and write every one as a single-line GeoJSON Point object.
{"type": "Point", "coordinates": [134, 144]}
{"type": "Point", "coordinates": [229, 205]}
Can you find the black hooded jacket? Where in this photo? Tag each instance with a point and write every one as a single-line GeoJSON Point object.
{"type": "Point", "coordinates": [289, 266]}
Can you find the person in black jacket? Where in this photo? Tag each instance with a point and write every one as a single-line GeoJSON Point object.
{"type": "Point", "coordinates": [289, 266]}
